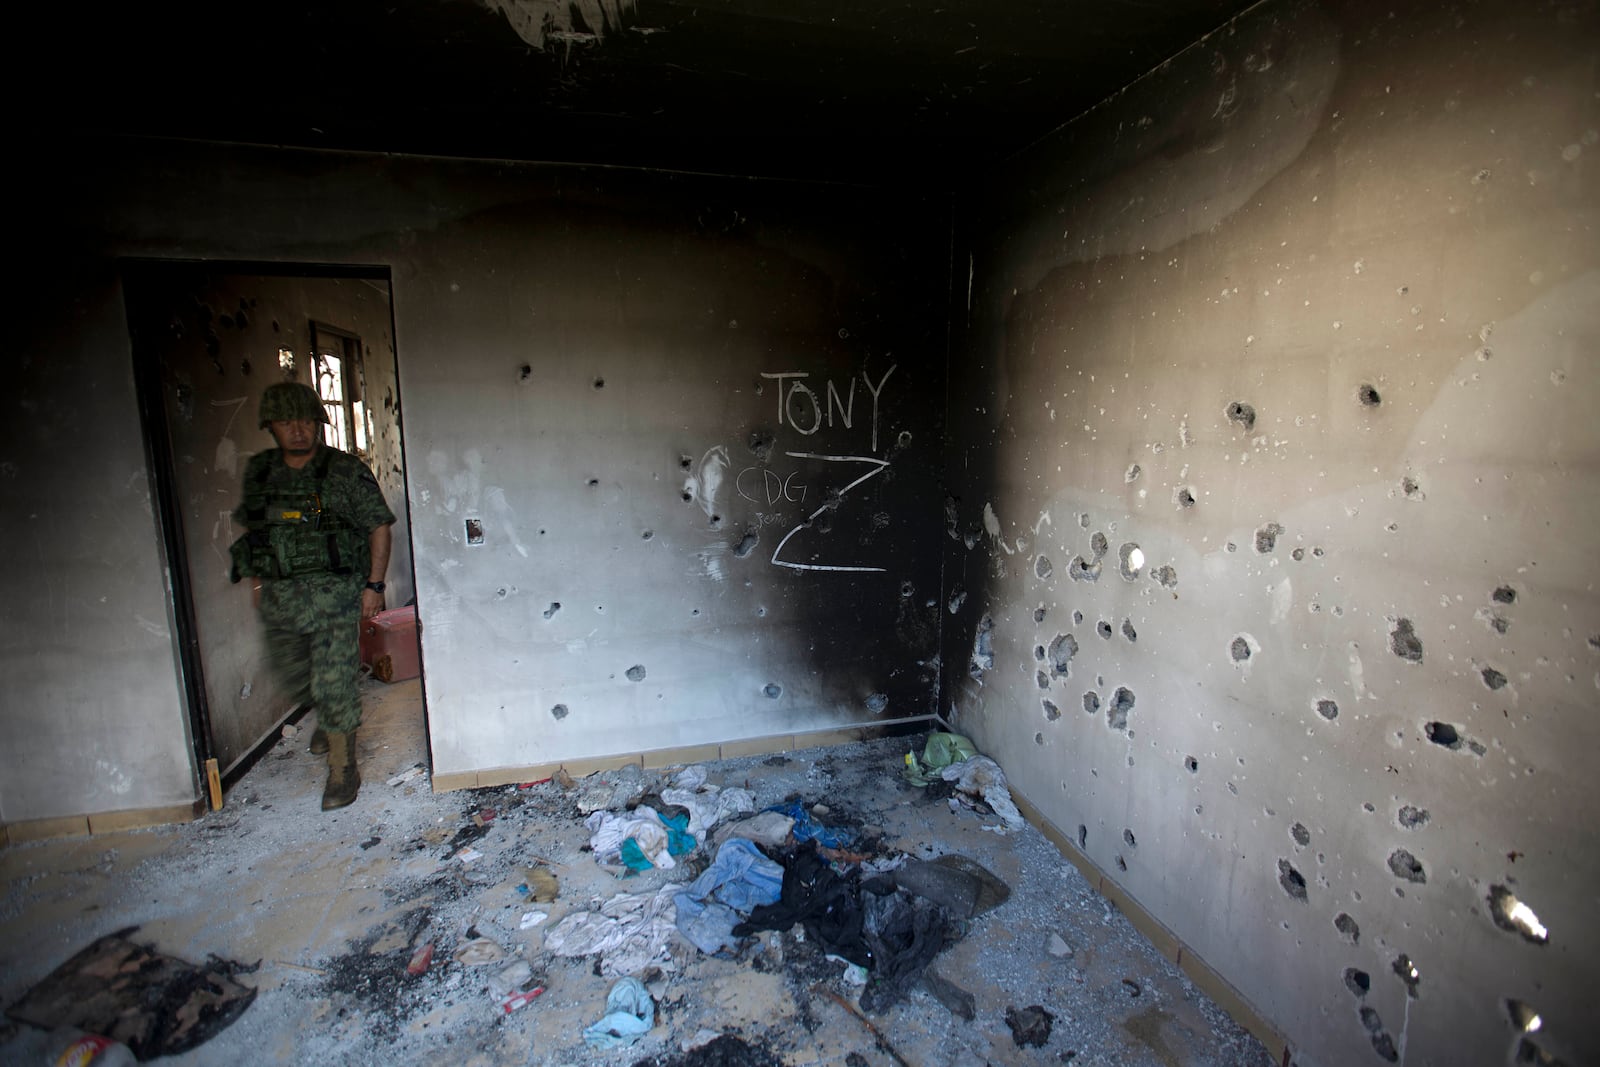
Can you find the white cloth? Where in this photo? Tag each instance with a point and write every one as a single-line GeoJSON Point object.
{"type": "Point", "coordinates": [709, 805]}
{"type": "Point", "coordinates": [982, 777]}
{"type": "Point", "coordinates": [629, 932]}
{"type": "Point", "coordinates": [608, 832]}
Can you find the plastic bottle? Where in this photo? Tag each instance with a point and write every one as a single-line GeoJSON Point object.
{"type": "Point", "coordinates": [74, 1048]}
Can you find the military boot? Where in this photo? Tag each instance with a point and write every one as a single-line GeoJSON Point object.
{"type": "Point", "coordinates": [343, 779]}
{"type": "Point", "coordinates": [319, 742]}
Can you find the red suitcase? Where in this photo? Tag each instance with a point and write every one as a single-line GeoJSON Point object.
{"type": "Point", "coordinates": [389, 645]}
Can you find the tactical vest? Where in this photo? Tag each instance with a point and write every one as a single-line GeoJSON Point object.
{"type": "Point", "coordinates": [289, 535]}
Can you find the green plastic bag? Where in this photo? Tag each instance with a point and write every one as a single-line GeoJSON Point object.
{"type": "Point", "coordinates": [940, 752]}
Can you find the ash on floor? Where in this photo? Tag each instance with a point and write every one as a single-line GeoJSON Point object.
{"type": "Point", "coordinates": [341, 908]}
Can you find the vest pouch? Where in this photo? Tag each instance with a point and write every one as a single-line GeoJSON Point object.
{"type": "Point", "coordinates": [253, 557]}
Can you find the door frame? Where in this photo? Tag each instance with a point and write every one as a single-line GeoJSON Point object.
{"type": "Point", "coordinates": [136, 274]}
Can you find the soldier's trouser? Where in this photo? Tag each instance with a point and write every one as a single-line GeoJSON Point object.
{"type": "Point", "coordinates": [320, 667]}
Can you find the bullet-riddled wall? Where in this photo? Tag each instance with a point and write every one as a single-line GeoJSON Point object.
{"type": "Point", "coordinates": [671, 445]}
{"type": "Point", "coordinates": [1274, 479]}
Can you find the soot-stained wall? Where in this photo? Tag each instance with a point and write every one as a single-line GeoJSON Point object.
{"type": "Point", "coordinates": [1273, 465]}
{"type": "Point", "coordinates": [672, 447]}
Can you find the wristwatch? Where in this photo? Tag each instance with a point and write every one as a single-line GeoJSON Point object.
{"type": "Point", "coordinates": [376, 587]}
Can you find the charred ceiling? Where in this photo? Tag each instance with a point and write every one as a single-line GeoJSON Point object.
{"type": "Point", "coordinates": [853, 90]}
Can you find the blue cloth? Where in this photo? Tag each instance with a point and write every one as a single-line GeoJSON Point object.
{"type": "Point", "coordinates": [630, 1013]}
{"type": "Point", "coordinates": [738, 880]}
{"type": "Point", "coordinates": [807, 828]}
{"type": "Point", "coordinates": [679, 840]}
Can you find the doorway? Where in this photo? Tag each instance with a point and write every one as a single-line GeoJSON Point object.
{"type": "Point", "coordinates": [208, 339]}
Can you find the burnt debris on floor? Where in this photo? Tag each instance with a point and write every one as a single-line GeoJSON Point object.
{"type": "Point", "coordinates": [817, 907]}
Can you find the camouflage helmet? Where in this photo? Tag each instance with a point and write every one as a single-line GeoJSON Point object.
{"type": "Point", "coordinates": [286, 401]}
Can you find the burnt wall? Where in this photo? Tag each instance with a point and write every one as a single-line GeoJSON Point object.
{"type": "Point", "coordinates": [669, 442]}
{"type": "Point", "coordinates": [1273, 468]}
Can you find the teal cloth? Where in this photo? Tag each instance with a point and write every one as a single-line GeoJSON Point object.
{"type": "Point", "coordinates": [679, 842]}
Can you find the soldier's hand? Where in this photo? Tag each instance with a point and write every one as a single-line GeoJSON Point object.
{"type": "Point", "coordinates": [371, 603]}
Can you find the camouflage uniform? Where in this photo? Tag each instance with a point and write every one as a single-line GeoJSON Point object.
{"type": "Point", "coordinates": [313, 620]}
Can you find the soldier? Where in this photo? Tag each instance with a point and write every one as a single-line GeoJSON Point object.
{"type": "Point", "coordinates": [317, 528]}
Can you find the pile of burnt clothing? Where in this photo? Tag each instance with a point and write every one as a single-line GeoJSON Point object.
{"type": "Point", "coordinates": [893, 924]}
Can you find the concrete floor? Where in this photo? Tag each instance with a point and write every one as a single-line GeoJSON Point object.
{"type": "Point", "coordinates": [334, 904]}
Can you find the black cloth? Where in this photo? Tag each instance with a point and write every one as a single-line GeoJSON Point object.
{"type": "Point", "coordinates": [826, 903]}
{"type": "Point", "coordinates": [903, 934]}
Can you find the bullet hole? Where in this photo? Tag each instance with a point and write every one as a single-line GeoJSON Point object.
{"type": "Point", "coordinates": [716, 522]}
{"type": "Point", "coordinates": [593, 482]}
{"type": "Point", "coordinates": [1091, 702]}
{"type": "Point", "coordinates": [1077, 618]}
{"type": "Point", "coordinates": [1128, 631]}
{"type": "Point", "coordinates": [746, 544]}
{"type": "Point", "coordinates": [1442, 733]}
{"type": "Point", "coordinates": [1233, 788]}
{"type": "Point", "coordinates": [1493, 620]}
{"type": "Point", "coordinates": [1412, 491]}
{"type": "Point", "coordinates": [983, 647]}
{"type": "Point", "coordinates": [1406, 866]}
{"type": "Point", "coordinates": [1081, 570]}
{"type": "Point", "coordinates": [1061, 651]}
{"type": "Point", "coordinates": [957, 598]}
{"type": "Point", "coordinates": [1368, 396]}
{"type": "Point", "coordinates": [761, 612]}
{"type": "Point", "coordinates": [1293, 882]}
{"type": "Point", "coordinates": [1368, 808]}
{"type": "Point", "coordinates": [1042, 567]}
{"type": "Point", "coordinates": [1232, 547]}
{"type": "Point", "coordinates": [559, 712]}
{"type": "Point", "coordinates": [1407, 972]}
{"type": "Point", "coordinates": [1298, 554]}
{"type": "Point", "coordinates": [1240, 649]}
{"type": "Point", "coordinates": [1493, 678]}
{"type": "Point", "coordinates": [877, 703]}
{"type": "Point", "coordinates": [694, 611]}
{"type": "Point", "coordinates": [1404, 642]}
{"type": "Point", "coordinates": [1104, 629]}
{"type": "Point", "coordinates": [636, 673]}
{"type": "Point", "coordinates": [1117, 710]}
{"type": "Point", "coordinates": [1504, 595]}
{"type": "Point", "coordinates": [1083, 836]}
{"type": "Point", "coordinates": [275, 326]}
{"type": "Point", "coordinates": [1099, 546]}
{"type": "Point", "coordinates": [1041, 679]}
{"type": "Point", "coordinates": [1301, 835]}
{"type": "Point", "coordinates": [1122, 864]}
{"type": "Point", "coordinates": [1183, 496]}
{"type": "Point", "coordinates": [1191, 765]}
{"type": "Point", "coordinates": [1038, 739]}
{"type": "Point", "coordinates": [1412, 818]}
{"type": "Point", "coordinates": [1511, 914]}
{"type": "Point", "coordinates": [474, 528]}
{"type": "Point", "coordinates": [599, 383]}
{"type": "Point", "coordinates": [1371, 1020]}
{"type": "Point", "coordinates": [1383, 1045]}
{"type": "Point", "coordinates": [1130, 561]}
{"type": "Point", "coordinates": [1243, 414]}
{"type": "Point", "coordinates": [1127, 835]}
{"type": "Point", "coordinates": [1347, 927]}
{"type": "Point", "coordinates": [1083, 520]}
{"type": "Point", "coordinates": [501, 592]}
{"type": "Point", "coordinates": [1267, 537]}
{"type": "Point", "coordinates": [760, 444]}
{"type": "Point", "coordinates": [1356, 980]}
{"type": "Point", "coordinates": [1165, 576]}
{"type": "Point", "coordinates": [244, 367]}
{"type": "Point", "coordinates": [687, 496]}
{"type": "Point", "coordinates": [1132, 473]}
{"type": "Point", "coordinates": [1133, 988]}
{"type": "Point", "coordinates": [1038, 653]}
{"type": "Point", "coordinates": [772, 690]}
{"type": "Point", "coordinates": [647, 535]}
{"type": "Point", "coordinates": [1038, 615]}
{"type": "Point", "coordinates": [550, 612]}
{"type": "Point", "coordinates": [1524, 1019]}
{"type": "Point", "coordinates": [1051, 712]}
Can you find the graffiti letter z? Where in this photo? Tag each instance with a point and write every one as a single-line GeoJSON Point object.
{"type": "Point", "coordinates": [877, 468]}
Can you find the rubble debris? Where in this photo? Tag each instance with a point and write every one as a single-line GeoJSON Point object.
{"type": "Point", "coordinates": [771, 829]}
{"type": "Point", "coordinates": [981, 777]}
{"type": "Point", "coordinates": [420, 960]}
{"type": "Point", "coordinates": [1030, 1026]}
{"type": "Point", "coordinates": [630, 1014]}
{"type": "Point", "coordinates": [542, 885]}
{"type": "Point", "coordinates": [478, 953]}
{"type": "Point", "coordinates": [722, 1050]}
{"type": "Point", "coordinates": [960, 885]}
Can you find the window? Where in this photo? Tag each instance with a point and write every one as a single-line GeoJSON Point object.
{"type": "Point", "coordinates": [341, 383]}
